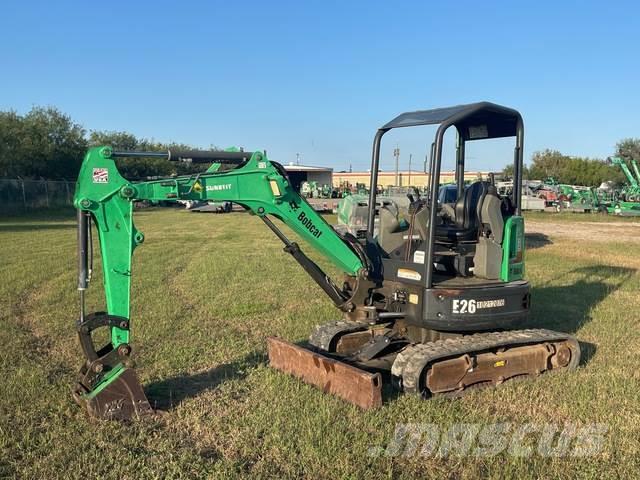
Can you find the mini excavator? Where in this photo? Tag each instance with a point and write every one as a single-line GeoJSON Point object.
{"type": "Point", "coordinates": [434, 303]}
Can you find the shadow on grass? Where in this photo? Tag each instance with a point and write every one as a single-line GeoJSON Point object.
{"type": "Point", "coordinates": [566, 308]}
{"type": "Point", "coordinates": [536, 240]}
{"type": "Point", "coordinates": [169, 393]}
{"type": "Point", "coordinates": [29, 227]}
{"type": "Point", "coordinates": [31, 215]}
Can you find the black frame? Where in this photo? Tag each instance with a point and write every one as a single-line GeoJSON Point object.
{"type": "Point", "coordinates": [499, 121]}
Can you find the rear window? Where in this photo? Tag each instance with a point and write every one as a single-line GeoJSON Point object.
{"type": "Point", "coordinates": [447, 194]}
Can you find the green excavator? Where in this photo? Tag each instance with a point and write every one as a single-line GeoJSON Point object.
{"type": "Point", "coordinates": [625, 202]}
{"type": "Point", "coordinates": [631, 192]}
{"type": "Point", "coordinates": [433, 304]}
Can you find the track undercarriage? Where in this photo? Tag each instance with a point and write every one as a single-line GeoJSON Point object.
{"type": "Point", "coordinates": [449, 365]}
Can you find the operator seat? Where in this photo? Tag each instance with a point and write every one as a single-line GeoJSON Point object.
{"type": "Point", "coordinates": [466, 224]}
{"type": "Point", "coordinates": [491, 215]}
{"type": "Point", "coordinates": [390, 231]}
{"type": "Point", "coordinates": [489, 252]}
{"type": "Point", "coordinates": [393, 234]}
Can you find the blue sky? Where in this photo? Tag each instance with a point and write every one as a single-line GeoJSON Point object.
{"type": "Point", "coordinates": [318, 78]}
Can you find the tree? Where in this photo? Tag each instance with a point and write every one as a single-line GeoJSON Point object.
{"type": "Point", "coordinates": [116, 140]}
{"type": "Point", "coordinates": [548, 163]}
{"type": "Point", "coordinates": [138, 168]}
{"type": "Point", "coordinates": [507, 171]}
{"type": "Point", "coordinates": [47, 143]}
{"type": "Point", "coordinates": [571, 170]}
{"type": "Point", "coordinates": [11, 133]}
{"type": "Point", "coordinates": [132, 168]}
{"type": "Point", "coordinates": [628, 149]}
{"type": "Point", "coordinates": [44, 142]}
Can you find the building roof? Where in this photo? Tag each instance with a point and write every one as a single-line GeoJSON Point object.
{"type": "Point", "coordinates": [305, 168]}
{"type": "Point", "coordinates": [413, 172]}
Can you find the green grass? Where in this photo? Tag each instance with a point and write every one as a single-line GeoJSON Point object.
{"type": "Point", "coordinates": [208, 289]}
{"type": "Point", "coordinates": [578, 217]}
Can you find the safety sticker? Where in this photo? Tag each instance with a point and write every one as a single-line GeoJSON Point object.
{"type": "Point", "coordinates": [409, 274]}
{"type": "Point", "coordinates": [100, 175]}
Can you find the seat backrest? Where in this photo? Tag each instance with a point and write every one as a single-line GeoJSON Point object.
{"type": "Point", "coordinates": [490, 213]}
{"type": "Point", "coordinates": [467, 206]}
{"type": "Point", "coordinates": [388, 220]}
{"type": "Point", "coordinates": [390, 235]}
{"type": "Point", "coordinates": [421, 222]}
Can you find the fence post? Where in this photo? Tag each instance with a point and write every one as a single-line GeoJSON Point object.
{"type": "Point", "coordinates": [24, 195]}
{"type": "Point", "coordinates": [46, 190]}
{"type": "Point", "coordinates": [66, 187]}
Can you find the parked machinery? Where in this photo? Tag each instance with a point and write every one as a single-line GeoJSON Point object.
{"type": "Point", "coordinates": [353, 213]}
{"type": "Point", "coordinates": [631, 191]}
{"type": "Point", "coordinates": [531, 201]}
{"type": "Point", "coordinates": [626, 201]}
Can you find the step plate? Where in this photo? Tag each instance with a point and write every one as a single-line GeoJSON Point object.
{"type": "Point", "coordinates": [356, 386]}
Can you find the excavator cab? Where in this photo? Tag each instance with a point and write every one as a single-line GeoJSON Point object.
{"type": "Point", "coordinates": [473, 243]}
{"type": "Point", "coordinates": [450, 289]}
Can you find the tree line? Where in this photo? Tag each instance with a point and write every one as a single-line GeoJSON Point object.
{"type": "Point", "coordinates": [47, 143]}
{"type": "Point", "coordinates": [578, 170]}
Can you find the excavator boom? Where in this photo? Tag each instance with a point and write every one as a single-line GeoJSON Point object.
{"type": "Point", "coordinates": [108, 387]}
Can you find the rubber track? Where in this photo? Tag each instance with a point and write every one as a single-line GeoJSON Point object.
{"type": "Point", "coordinates": [412, 361]}
{"type": "Point", "coordinates": [322, 336]}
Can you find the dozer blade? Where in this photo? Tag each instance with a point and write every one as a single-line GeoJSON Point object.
{"type": "Point", "coordinates": [122, 398]}
{"type": "Point", "coordinates": [356, 386]}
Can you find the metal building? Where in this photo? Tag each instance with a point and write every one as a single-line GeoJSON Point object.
{"type": "Point", "coordinates": [305, 173]}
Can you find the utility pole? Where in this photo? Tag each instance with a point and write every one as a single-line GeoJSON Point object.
{"type": "Point", "coordinates": [297, 159]}
{"type": "Point", "coordinates": [396, 153]}
{"type": "Point", "coordinates": [410, 156]}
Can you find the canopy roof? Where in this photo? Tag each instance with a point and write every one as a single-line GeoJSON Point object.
{"type": "Point", "coordinates": [474, 121]}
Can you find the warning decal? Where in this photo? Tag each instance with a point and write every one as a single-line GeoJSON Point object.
{"type": "Point", "coordinates": [100, 175]}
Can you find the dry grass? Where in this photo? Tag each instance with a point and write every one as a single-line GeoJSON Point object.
{"type": "Point", "coordinates": [208, 289]}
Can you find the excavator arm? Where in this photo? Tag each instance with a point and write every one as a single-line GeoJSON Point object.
{"type": "Point", "coordinates": [108, 386]}
{"type": "Point", "coordinates": [625, 169]}
{"type": "Point", "coordinates": [636, 170]}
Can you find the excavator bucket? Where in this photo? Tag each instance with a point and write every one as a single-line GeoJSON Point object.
{"type": "Point", "coordinates": [122, 398]}
{"type": "Point", "coordinates": [356, 386]}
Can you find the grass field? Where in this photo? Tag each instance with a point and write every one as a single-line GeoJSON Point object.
{"type": "Point", "coordinates": [208, 289]}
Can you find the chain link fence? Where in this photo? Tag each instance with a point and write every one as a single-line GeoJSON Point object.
{"type": "Point", "coordinates": [17, 194]}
